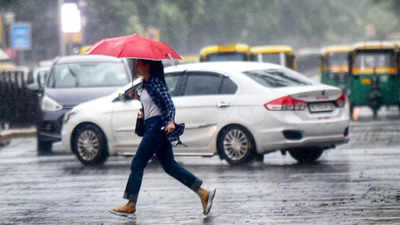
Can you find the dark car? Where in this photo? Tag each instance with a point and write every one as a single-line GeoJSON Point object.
{"type": "Point", "coordinates": [74, 80]}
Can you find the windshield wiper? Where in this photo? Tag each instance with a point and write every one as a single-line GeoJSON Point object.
{"type": "Point", "coordinates": [74, 75]}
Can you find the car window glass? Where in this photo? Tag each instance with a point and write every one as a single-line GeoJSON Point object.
{"type": "Point", "coordinates": [172, 81]}
{"type": "Point", "coordinates": [228, 86]}
{"type": "Point", "coordinates": [336, 59]}
{"type": "Point", "coordinates": [227, 56]}
{"type": "Point", "coordinates": [366, 59]}
{"type": "Point", "coordinates": [274, 58]}
{"type": "Point", "coordinates": [275, 78]}
{"type": "Point", "coordinates": [202, 84]}
{"type": "Point", "coordinates": [96, 74]}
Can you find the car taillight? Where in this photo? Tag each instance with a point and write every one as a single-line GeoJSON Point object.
{"type": "Point", "coordinates": [286, 103]}
{"type": "Point", "coordinates": [341, 101]}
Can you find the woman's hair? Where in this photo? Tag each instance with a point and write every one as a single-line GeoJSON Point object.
{"type": "Point", "coordinates": [156, 68]}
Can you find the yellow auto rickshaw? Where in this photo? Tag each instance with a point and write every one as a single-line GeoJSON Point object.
{"type": "Point", "coordinates": [234, 52]}
{"type": "Point", "coordinates": [374, 76]}
{"type": "Point", "coordinates": [84, 49]}
{"type": "Point", "coordinates": [334, 66]}
{"type": "Point", "coordinates": [189, 59]}
{"type": "Point", "coordinates": [277, 54]}
{"type": "Point", "coordinates": [7, 66]}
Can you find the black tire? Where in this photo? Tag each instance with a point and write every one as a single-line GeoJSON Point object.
{"type": "Point", "coordinates": [44, 147]}
{"type": "Point", "coordinates": [236, 145]}
{"type": "Point", "coordinates": [90, 145]}
{"type": "Point", "coordinates": [351, 111]}
{"type": "Point", "coordinates": [375, 114]}
{"type": "Point", "coordinates": [306, 155]}
{"type": "Point", "coordinates": [259, 157]}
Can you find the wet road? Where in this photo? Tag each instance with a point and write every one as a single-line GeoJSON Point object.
{"type": "Point", "coordinates": [357, 183]}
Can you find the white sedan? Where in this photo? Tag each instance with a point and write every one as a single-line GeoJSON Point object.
{"type": "Point", "coordinates": [237, 110]}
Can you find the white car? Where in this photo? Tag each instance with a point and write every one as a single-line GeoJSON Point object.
{"type": "Point", "coordinates": [237, 110]}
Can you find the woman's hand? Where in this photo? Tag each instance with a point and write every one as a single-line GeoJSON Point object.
{"type": "Point", "coordinates": [170, 128]}
{"type": "Point", "coordinates": [140, 114]}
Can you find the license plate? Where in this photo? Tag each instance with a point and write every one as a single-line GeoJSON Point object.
{"type": "Point", "coordinates": [321, 107]}
{"type": "Point", "coordinates": [366, 81]}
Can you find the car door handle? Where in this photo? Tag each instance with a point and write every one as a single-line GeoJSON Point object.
{"type": "Point", "coordinates": [223, 104]}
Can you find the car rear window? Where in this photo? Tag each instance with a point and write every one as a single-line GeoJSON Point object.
{"type": "Point", "coordinates": [93, 74]}
{"type": "Point", "coordinates": [275, 78]}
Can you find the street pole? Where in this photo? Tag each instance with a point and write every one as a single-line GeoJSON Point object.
{"type": "Point", "coordinates": [2, 41]}
{"type": "Point", "coordinates": [60, 33]}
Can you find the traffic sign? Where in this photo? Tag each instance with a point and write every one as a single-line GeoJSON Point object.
{"type": "Point", "coordinates": [20, 36]}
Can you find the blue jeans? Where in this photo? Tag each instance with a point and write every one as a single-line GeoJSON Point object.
{"type": "Point", "coordinates": [155, 142]}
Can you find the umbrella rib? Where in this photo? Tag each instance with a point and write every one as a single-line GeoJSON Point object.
{"type": "Point", "coordinates": [122, 49]}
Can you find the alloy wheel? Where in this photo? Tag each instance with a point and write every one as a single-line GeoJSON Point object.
{"type": "Point", "coordinates": [236, 144]}
{"type": "Point", "coordinates": [88, 145]}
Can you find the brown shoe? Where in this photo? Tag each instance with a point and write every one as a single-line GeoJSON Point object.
{"type": "Point", "coordinates": [207, 201]}
{"type": "Point", "coordinates": [125, 209]}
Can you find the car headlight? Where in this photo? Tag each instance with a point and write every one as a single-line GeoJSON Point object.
{"type": "Point", "coordinates": [48, 104]}
{"type": "Point", "coordinates": [68, 116]}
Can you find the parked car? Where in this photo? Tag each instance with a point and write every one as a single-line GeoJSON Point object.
{"type": "Point", "coordinates": [73, 80]}
{"type": "Point", "coordinates": [39, 75]}
{"type": "Point", "coordinates": [237, 110]}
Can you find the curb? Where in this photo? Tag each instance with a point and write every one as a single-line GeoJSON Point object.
{"type": "Point", "coordinates": [6, 135]}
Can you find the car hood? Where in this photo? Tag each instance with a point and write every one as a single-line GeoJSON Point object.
{"type": "Point", "coordinates": [70, 97]}
{"type": "Point", "coordinates": [106, 99]}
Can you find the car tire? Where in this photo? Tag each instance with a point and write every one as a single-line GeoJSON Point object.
{"type": "Point", "coordinates": [44, 147]}
{"type": "Point", "coordinates": [351, 111]}
{"type": "Point", "coordinates": [90, 145]}
{"type": "Point", "coordinates": [374, 114]}
{"type": "Point", "coordinates": [259, 157]}
{"type": "Point", "coordinates": [306, 155]}
{"type": "Point", "coordinates": [236, 145]}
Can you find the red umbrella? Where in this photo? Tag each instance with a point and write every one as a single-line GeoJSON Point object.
{"type": "Point", "coordinates": [133, 46]}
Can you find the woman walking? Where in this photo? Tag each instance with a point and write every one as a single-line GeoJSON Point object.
{"type": "Point", "coordinates": [158, 113]}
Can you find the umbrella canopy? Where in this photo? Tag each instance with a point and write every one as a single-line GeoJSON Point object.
{"type": "Point", "coordinates": [133, 46]}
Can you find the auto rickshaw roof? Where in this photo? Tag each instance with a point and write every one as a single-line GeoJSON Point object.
{"type": "Point", "coordinates": [189, 59]}
{"type": "Point", "coordinates": [271, 49]}
{"type": "Point", "coordinates": [84, 49]}
{"type": "Point", "coordinates": [335, 49]}
{"type": "Point", "coordinates": [225, 48]}
{"type": "Point", "coordinates": [7, 66]}
{"type": "Point", "coordinates": [374, 45]}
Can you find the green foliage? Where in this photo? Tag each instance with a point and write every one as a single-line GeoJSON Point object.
{"type": "Point", "coordinates": [189, 25]}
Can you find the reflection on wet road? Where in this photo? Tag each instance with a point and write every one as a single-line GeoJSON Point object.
{"type": "Point", "coordinates": [357, 183]}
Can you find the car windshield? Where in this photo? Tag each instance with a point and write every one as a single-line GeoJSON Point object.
{"type": "Point", "coordinates": [274, 58]}
{"type": "Point", "coordinates": [336, 59]}
{"type": "Point", "coordinates": [365, 59]}
{"type": "Point", "coordinates": [227, 56]}
{"type": "Point", "coordinates": [275, 78]}
{"type": "Point", "coordinates": [88, 74]}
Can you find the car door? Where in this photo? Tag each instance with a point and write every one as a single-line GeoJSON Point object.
{"type": "Point", "coordinates": [201, 105]}
{"type": "Point", "coordinates": [123, 124]}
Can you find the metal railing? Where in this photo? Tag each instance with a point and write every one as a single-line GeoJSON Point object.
{"type": "Point", "coordinates": [19, 106]}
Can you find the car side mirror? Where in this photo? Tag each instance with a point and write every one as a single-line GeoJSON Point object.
{"type": "Point", "coordinates": [116, 99]}
{"type": "Point", "coordinates": [120, 98]}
